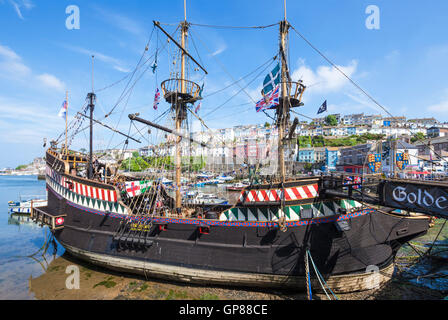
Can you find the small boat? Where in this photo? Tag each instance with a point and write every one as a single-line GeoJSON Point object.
{"type": "Point", "coordinates": [225, 178]}
{"type": "Point", "coordinates": [237, 186]}
{"type": "Point", "coordinates": [195, 197]}
{"type": "Point", "coordinates": [25, 206]}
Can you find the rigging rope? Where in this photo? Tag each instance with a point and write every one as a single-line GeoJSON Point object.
{"type": "Point", "coordinates": [234, 27]}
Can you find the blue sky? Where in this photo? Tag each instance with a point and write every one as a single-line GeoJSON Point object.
{"type": "Point", "coordinates": [402, 65]}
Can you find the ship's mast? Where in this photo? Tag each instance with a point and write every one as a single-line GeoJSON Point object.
{"type": "Point", "coordinates": [178, 92]}
{"type": "Point", "coordinates": [180, 109]}
{"type": "Point", "coordinates": [283, 108]}
{"type": "Point", "coordinates": [91, 97]}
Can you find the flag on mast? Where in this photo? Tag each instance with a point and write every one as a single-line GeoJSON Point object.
{"type": "Point", "coordinates": [323, 107]}
{"type": "Point", "coordinates": [63, 112]}
{"type": "Point", "coordinates": [197, 108]}
{"type": "Point", "coordinates": [272, 80]}
{"type": "Point", "coordinates": [269, 101]}
{"type": "Point", "coordinates": [156, 99]}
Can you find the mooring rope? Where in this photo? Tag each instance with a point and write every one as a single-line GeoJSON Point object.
{"type": "Point", "coordinates": [321, 278]}
{"type": "Point", "coordinates": [308, 280]}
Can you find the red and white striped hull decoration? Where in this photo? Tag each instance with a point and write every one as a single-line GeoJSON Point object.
{"type": "Point", "coordinates": [82, 189]}
{"type": "Point", "coordinates": [273, 195]}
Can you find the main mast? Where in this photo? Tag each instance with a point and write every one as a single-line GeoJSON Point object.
{"type": "Point", "coordinates": [181, 109]}
{"type": "Point", "coordinates": [179, 91]}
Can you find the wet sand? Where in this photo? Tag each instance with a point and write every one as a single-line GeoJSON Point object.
{"type": "Point", "coordinates": [411, 281]}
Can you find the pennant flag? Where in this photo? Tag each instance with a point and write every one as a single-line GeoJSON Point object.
{"type": "Point", "coordinates": [63, 112]}
{"type": "Point", "coordinates": [323, 107]}
{"type": "Point", "coordinates": [154, 65]}
{"type": "Point", "coordinates": [269, 101]}
{"type": "Point", "coordinates": [197, 108]}
{"type": "Point", "coordinates": [156, 99]}
{"type": "Point", "coordinates": [202, 89]}
{"type": "Point", "coordinates": [271, 80]}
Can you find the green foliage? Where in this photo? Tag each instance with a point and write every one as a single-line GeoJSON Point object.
{"type": "Point", "coordinates": [320, 141]}
{"type": "Point", "coordinates": [138, 163]}
{"type": "Point", "coordinates": [21, 167]}
{"type": "Point", "coordinates": [418, 137]}
{"type": "Point", "coordinates": [308, 166]}
{"type": "Point", "coordinates": [267, 125]}
{"type": "Point", "coordinates": [331, 120]}
{"type": "Point", "coordinates": [108, 283]}
{"type": "Point", "coordinates": [135, 164]}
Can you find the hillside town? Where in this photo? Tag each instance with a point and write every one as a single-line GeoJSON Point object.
{"type": "Point", "coordinates": [336, 142]}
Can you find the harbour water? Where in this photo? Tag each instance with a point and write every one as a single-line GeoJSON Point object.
{"type": "Point", "coordinates": [29, 269]}
{"type": "Point", "coordinates": [19, 240]}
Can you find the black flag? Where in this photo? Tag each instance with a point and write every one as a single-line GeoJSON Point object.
{"type": "Point", "coordinates": [323, 107]}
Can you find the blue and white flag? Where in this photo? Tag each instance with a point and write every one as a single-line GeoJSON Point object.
{"type": "Point", "coordinates": [323, 107]}
{"type": "Point", "coordinates": [63, 112]}
{"type": "Point", "coordinates": [271, 80]}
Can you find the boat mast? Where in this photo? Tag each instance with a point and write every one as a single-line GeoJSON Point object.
{"type": "Point", "coordinates": [178, 92]}
{"type": "Point", "coordinates": [180, 107]}
{"type": "Point", "coordinates": [283, 108]}
{"type": "Point", "coordinates": [66, 116]}
{"type": "Point", "coordinates": [91, 97]}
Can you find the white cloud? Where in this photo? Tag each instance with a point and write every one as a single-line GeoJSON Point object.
{"type": "Point", "coordinates": [120, 21]}
{"type": "Point", "coordinates": [13, 68]}
{"type": "Point", "coordinates": [18, 5]}
{"type": "Point", "coordinates": [51, 81]}
{"type": "Point", "coordinates": [8, 53]}
{"type": "Point", "coordinates": [220, 50]}
{"type": "Point", "coordinates": [364, 101]}
{"type": "Point", "coordinates": [115, 63]}
{"type": "Point", "coordinates": [11, 64]}
{"type": "Point", "coordinates": [325, 79]}
{"type": "Point", "coordinates": [441, 107]}
{"type": "Point", "coordinates": [29, 121]}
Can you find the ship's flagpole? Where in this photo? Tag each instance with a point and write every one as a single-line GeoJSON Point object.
{"type": "Point", "coordinates": [284, 6]}
{"type": "Point", "coordinates": [66, 117]}
{"type": "Point", "coordinates": [91, 97]}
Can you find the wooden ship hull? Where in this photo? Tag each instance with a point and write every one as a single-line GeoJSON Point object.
{"type": "Point", "coordinates": [247, 246]}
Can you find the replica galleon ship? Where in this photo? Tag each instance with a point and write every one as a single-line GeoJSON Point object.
{"type": "Point", "coordinates": [264, 239]}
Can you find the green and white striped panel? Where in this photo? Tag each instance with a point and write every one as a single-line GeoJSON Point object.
{"type": "Point", "coordinates": [91, 203]}
{"type": "Point", "coordinates": [292, 213]}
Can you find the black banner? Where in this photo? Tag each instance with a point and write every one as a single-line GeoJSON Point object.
{"type": "Point", "coordinates": [415, 197]}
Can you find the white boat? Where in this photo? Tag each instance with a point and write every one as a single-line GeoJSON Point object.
{"type": "Point", "coordinates": [237, 186]}
{"type": "Point", "coordinates": [225, 178]}
{"type": "Point", "coordinates": [25, 206]}
{"type": "Point", "coordinates": [195, 197]}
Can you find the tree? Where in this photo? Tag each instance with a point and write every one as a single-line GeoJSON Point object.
{"type": "Point", "coordinates": [331, 120]}
{"type": "Point", "coordinates": [418, 137]}
{"type": "Point", "coordinates": [267, 125]}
